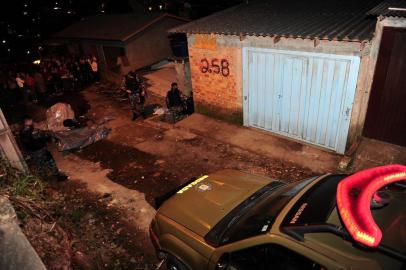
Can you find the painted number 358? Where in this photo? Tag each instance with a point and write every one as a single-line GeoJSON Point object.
{"type": "Point", "coordinates": [215, 66]}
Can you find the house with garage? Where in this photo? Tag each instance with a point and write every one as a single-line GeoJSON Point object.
{"type": "Point", "coordinates": [121, 42]}
{"type": "Point", "coordinates": [324, 73]}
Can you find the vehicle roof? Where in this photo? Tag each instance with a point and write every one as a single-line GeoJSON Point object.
{"type": "Point", "coordinates": [388, 219]}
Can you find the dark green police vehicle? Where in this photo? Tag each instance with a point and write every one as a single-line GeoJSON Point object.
{"type": "Point", "coordinates": [234, 220]}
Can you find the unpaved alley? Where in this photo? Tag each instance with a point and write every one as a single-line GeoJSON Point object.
{"type": "Point", "coordinates": [144, 159]}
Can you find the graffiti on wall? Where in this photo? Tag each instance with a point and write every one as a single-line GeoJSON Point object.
{"type": "Point", "coordinates": [216, 66]}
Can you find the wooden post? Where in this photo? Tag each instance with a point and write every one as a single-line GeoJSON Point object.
{"type": "Point", "coordinates": [9, 149]}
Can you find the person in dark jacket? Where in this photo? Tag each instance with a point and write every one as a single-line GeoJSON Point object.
{"type": "Point", "coordinates": [137, 94]}
{"type": "Point", "coordinates": [174, 97]}
{"type": "Point", "coordinates": [40, 87]}
{"type": "Point", "coordinates": [34, 143]}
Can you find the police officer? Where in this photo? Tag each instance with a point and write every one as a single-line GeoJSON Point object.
{"type": "Point", "coordinates": [137, 94]}
{"type": "Point", "coordinates": [34, 143]}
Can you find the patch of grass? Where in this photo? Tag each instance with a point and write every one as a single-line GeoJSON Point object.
{"type": "Point", "coordinates": [27, 186]}
{"type": "Point", "coordinates": [17, 183]}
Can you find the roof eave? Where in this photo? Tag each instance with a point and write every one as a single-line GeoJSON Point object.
{"type": "Point", "coordinates": [147, 25]}
{"type": "Point", "coordinates": [346, 39]}
{"type": "Point", "coordinates": [91, 40]}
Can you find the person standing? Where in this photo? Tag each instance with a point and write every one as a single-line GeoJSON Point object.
{"type": "Point", "coordinates": [13, 88]}
{"type": "Point", "coordinates": [82, 72]}
{"type": "Point", "coordinates": [137, 95]}
{"type": "Point", "coordinates": [88, 71]}
{"type": "Point", "coordinates": [34, 142]}
{"type": "Point", "coordinates": [95, 69]}
{"type": "Point", "coordinates": [56, 80]}
{"type": "Point", "coordinates": [30, 88]}
{"type": "Point", "coordinates": [21, 87]}
{"type": "Point", "coordinates": [40, 86]}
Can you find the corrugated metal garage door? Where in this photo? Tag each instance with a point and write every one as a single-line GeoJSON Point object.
{"type": "Point", "coordinates": [305, 96]}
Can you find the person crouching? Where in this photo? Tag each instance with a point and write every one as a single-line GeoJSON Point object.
{"type": "Point", "coordinates": [34, 143]}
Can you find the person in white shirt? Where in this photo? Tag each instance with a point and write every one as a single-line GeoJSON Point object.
{"type": "Point", "coordinates": [27, 94]}
{"type": "Point", "coordinates": [21, 87]}
{"type": "Point", "coordinates": [20, 81]}
{"type": "Point", "coordinates": [95, 69]}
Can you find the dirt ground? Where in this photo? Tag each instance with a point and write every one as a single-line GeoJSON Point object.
{"type": "Point", "coordinates": [82, 231]}
{"type": "Point", "coordinates": [106, 206]}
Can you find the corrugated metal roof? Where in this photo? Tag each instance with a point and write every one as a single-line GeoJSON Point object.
{"type": "Point", "coordinates": [118, 27]}
{"type": "Point", "coordinates": [390, 8]}
{"type": "Point", "coordinates": [334, 20]}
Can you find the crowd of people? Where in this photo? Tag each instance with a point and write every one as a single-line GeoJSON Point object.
{"type": "Point", "coordinates": [34, 82]}
{"type": "Point", "coordinates": [25, 84]}
{"type": "Point", "coordinates": [48, 77]}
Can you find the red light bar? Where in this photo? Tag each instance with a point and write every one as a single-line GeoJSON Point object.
{"type": "Point", "coordinates": [354, 195]}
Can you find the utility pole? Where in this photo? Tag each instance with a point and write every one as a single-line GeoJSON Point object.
{"type": "Point", "coordinates": [9, 149]}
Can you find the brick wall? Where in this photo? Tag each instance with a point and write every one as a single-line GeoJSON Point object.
{"type": "Point", "coordinates": [216, 72]}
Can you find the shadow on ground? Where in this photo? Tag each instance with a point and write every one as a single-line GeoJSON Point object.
{"type": "Point", "coordinates": [131, 168]}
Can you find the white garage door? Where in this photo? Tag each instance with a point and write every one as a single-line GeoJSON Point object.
{"type": "Point", "coordinates": [305, 96]}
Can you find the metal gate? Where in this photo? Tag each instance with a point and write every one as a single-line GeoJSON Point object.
{"type": "Point", "coordinates": [301, 95]}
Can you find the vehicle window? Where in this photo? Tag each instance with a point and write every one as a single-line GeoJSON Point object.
{"type": "Point", "coordinates": [260, 218]}
{"type": "Point", "coordinates": [256, 215]}
{"type": "Point", "coordinates": [316, 205]}
{"type": "Point", "coordinates": [267, 257]}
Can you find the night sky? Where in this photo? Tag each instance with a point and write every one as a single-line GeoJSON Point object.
{"type": "Point", "coordinates": [25, 24]}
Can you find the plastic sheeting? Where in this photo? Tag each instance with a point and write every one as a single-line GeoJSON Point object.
{"type": "Point", "coordinates": [151, 109]}
{"type": "Point", "coordinates": [80, 137]}
{"type": "Point", "coordinates": [57, 114]}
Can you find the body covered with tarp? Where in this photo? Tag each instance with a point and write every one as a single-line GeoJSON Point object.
{"type": "Point", "coordinates": [69, 138]}
{"type": "Point", "coordinates": [80, 137]}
